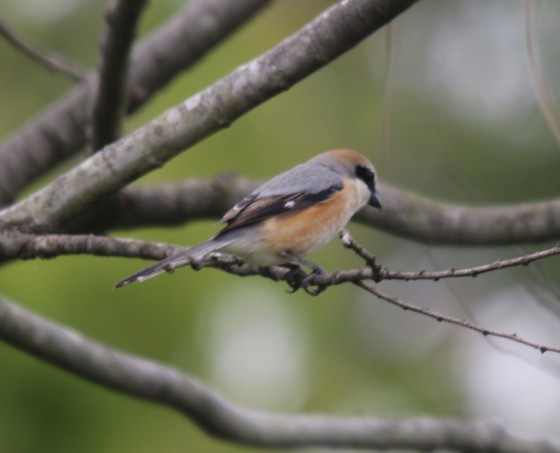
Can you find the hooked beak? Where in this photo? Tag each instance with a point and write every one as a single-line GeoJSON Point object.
{"type": "Point", "coordinates": [374, 200]}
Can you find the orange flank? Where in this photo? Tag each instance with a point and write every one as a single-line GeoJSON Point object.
{"type": "Point", "coordinates": [308, 230]}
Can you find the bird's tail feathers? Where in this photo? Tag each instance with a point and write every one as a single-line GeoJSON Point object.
{"type": "Point", "coordinates": [172, 262]}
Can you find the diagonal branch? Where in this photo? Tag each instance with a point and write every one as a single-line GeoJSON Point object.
{"type": "Point", "coordinates": [111, 96]}
{"type": "Point", "coordinates": [440, 317]}
{"type": "Point", "coordinates": [177, 45]}
{"type": "Point", "coordinates": [48, 59]}
{"type": "Point", "coordinates": [141, 378]}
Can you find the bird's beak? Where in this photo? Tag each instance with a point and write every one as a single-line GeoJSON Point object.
{"type": "Point", "coordinates": [374, 200]}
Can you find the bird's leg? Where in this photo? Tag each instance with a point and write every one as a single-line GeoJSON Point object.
{"type": "Point", "coordinates": [297, 278]}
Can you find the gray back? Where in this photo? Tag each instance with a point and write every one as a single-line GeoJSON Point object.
{"type": "Point", "coordinates": [308, 177]}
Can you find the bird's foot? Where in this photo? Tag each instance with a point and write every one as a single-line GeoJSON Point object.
{"type": "Point", "coordinates": [297, 278]}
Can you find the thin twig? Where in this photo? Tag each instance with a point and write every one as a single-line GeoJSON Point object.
{"type": "Point", "coordinates": [523, 260]}
{"type": "Point", "coordinates": [50, 60]}
{"type": "Point", "coordinates": [545, 97]}
{"type": "Point", "coordinates": [440, 317]}
{"type": "Point", "coordinates": [370, 260]}
{"type": "Point", "coordinates": [381, 273]}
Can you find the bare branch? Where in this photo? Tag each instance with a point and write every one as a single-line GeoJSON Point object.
{"type": "Point", "coordinates": [370, 260]}
{"type": "Point", "coordinates": [111, 96]}
{"type": "Point", "coordinates": [216, 415]}
{"type": "Point", "coordinates": [404, 213]}
{"type": "Point", "coordinates": [426, 220]}
{"type": "Point", "coordinates": [50, 60]}
{"type": "Point", "coordinates": [173, 203]}
{"type": "Point", "coordinates": [28, 246]}
{"type": "Point", "coordinates": [523, 260]}
{"type": "Point", "coordinates": [15, 244]}
{"type": "Point", "coordinates": [61, 131]}
{"type": "Point", "coordinates": [440, 317]}
{"type": "Point", "coordinates": [379, 273]}
{"type": "Point", "coordinates": [25, 246]}
{"type": "Point", "coordinates": [50, 246]}
{"type": "Point", "coordinates": [337, 30]}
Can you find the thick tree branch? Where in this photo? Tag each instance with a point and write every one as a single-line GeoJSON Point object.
{"type": "Point", "coordinates": [335, 31]}
{"type": "Point", "coordinates": [49, 60]}
{"type": "Point", "coordinates": [404, 213]}
{"type": "Point", "coordinates": [416, 217]}
{"type": "Point", "coordinates": [175, 203]}
{"type": "Point", "coordinates": [164, 385]}
{"type": "Point", "coordinates": [121, 20]}
{"type": "Point", "coordinates": [171, 203]}
{"type": "Point", "coordinates": [61, 131]}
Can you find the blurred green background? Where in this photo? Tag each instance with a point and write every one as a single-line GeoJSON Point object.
{"type": "Point", "coordinates": [443, 104]}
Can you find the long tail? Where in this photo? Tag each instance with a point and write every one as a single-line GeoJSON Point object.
{"type": "Point", "coordinates": [171, 263]}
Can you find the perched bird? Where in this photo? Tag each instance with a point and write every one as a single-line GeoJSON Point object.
{"type": "Point", "coordinates": [288, 217]}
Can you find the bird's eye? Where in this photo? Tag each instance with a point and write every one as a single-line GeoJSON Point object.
{"type": "Point", "coordinates": [366, 175]}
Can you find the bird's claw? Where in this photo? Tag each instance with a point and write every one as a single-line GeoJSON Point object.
{"type": "Point", "coordinates": [297, 278]}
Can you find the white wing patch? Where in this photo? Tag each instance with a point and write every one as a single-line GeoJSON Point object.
{"type": "Point", "coordinates": [289, 204]}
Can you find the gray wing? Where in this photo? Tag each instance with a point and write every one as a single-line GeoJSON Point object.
{"type": "Point", "coordinates": [288, 192]}
{"type": "Point", "coordinates": [304, 178]}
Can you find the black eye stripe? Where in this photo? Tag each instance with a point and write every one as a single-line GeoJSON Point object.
{"type": "Point", "coordinates": [366, 175]}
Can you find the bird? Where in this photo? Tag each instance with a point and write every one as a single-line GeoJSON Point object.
{"type": "Point", "coordinates": [292, 215]}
